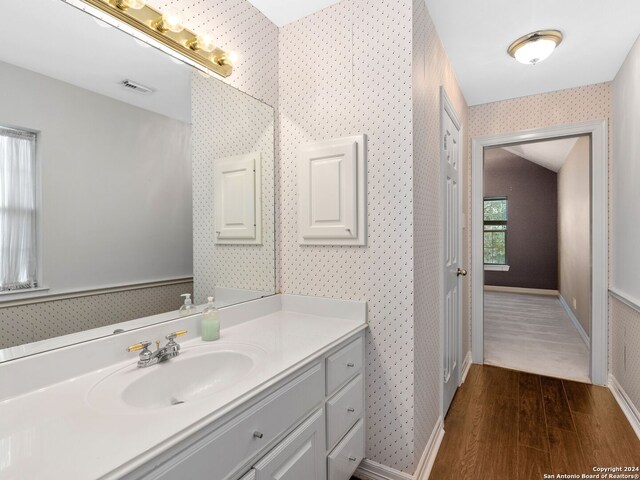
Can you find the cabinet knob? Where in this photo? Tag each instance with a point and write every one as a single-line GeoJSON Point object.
{"type": "Point", "coordinates": [257, 435]}
{"type": "Point", "coordinates": [350, 365]}
{"type": "Point", "coordinates": [352, 459]}
{"type": "Point", "coordinates": [351, 409]}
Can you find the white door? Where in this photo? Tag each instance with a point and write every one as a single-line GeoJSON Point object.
{"type": "Point", "coordinates": [452, 270]}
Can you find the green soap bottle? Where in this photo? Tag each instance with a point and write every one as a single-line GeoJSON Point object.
{"type": "Point", "coordinates": [210, 322]}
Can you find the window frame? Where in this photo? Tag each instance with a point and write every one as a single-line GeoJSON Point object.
{"type": "Point", "coordinates": [38, 286]}
{"type": "Point", "coordinates": [503, 223]}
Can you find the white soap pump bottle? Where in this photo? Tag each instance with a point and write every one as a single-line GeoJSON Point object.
{"type": "Point", "coordinates": [187, 308]}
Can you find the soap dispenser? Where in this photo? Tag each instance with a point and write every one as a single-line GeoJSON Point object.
{"type": "Point", "coordinates": [187, 308]}
{"type": "Point", "coordinates": [210, 322]}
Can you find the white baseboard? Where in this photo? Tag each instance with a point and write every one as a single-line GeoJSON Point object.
{"type": "Point", "coordinates": [627, 406]}
{"type": "Point", "coordinates": [370, 470]}
{"type": "Point", "coordinates": [575, 321]}
{"type": "Point", "coordinates": [428, 458]}
{"type": "Point", "coordinates": [466, 365]}
{"type": "Point", "coordinates": [530, 291]}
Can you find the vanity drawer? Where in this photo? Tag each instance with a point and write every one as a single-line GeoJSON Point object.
{"type": "Point", "coordinates": [343, 365]}
{"type": "Point", "coordinates": [230, 447]}
{"type": "Point", "coordinates": [343, 410]}
{"type": "Point", "coordinates": [346, 457]}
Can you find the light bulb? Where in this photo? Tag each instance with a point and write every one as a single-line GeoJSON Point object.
{"type": "Point", "coordinates": [172, 20]}
{"type": "Point", "coordinates": [204, 42]}
{"type": "Point", "coordinates": [535, 51]}
{"type": "Point", "coordinates": [234, 57]}
{"type": "Point", "coordinates": [134, 4]}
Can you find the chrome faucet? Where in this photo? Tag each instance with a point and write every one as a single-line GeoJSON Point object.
{"type": "Point", "coordinates": [169, 351]}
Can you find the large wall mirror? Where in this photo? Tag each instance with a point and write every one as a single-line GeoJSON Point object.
{"type": "Point", "coordinates": [126, 179]}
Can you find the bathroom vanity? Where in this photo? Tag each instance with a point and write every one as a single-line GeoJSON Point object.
{"type": "Point", "coordinates": [280, 395]}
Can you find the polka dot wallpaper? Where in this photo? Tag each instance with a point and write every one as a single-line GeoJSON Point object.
{"type": "Point", "coordinates": [228, 122]}
{"type": "Point", "coordinates": [346, 70]}
{"type": "Point", "coordinates": [39, 321]}
{"type": "Point", "coordinates": [625, 356]}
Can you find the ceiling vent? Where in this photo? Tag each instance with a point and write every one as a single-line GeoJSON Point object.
{"type": "Point", "coordinates": [136, 87]}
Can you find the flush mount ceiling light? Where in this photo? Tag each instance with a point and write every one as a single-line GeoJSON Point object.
{"type": "Point", "coordinates": [535, 47]}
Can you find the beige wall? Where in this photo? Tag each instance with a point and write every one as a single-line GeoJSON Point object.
{"type": "Point", "coordinates": [574, 232]}
{"type": "Point", "coordinates": [625, 320]}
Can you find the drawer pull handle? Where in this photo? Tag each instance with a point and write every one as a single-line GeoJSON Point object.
{"type": "Point", "coordinates": [352, 459]}
{"type": "Point", "coordinates": [350, 365]}
{"type": "Point", "coordinates": [257, 435]}
{"type": "Point", "coordinates": [351, 409]}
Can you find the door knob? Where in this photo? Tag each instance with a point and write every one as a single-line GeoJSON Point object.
{"type": "Point", "coordinates": [461, 272]}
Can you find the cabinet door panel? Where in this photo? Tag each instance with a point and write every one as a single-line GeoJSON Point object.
{"type": "Point", "coordinates": [299, 456]}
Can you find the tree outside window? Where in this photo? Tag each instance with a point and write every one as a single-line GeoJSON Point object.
{"type": "Point", "coordinates": [495, 230]}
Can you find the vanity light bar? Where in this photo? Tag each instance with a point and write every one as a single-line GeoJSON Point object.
{"type": "Point", "coordinates": [183, 44]}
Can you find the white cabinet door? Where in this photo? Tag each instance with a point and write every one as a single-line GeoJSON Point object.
{"type": "Point", "coordinates": [238, 216]}
{"type": "Point", "coordinates": [299, 456]}
{"type": "Point", "coordinates": [331, 192]}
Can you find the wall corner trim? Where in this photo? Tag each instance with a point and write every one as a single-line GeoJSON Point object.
{"type": "Point", "coordinates": [371, 470]}
{"type": "Point", "coordinates": [627, 406]}
{"type": "Point", "coordinates": [428, 458]}
{"type": "Point", "coordinates": [574, 320]}
{"type": "Point", "coordinates": [466, 366]}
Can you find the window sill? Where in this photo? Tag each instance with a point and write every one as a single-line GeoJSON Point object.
{"type": "Point", "coordinates": [496, 268]}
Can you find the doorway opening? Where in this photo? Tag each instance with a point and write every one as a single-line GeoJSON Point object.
{"type": "Point", "coordinates": [595, 324]}
{"type": "Point", "coordinates": [537, 256]}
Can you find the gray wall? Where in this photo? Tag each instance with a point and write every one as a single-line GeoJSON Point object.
{"type": "Point", "coordinates": [625, 320]}
{"type": "Point", "coordinates": [115, 183]}
{"type": "Point", "coordinates": [574, 232]}
{"type": "Point", "coordinates": [532, 235]}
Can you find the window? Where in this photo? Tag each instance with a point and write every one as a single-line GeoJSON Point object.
{"type": "Point", "coordinates": [18, 263]}
{"type": "Point", "coordinates": [495, 231]}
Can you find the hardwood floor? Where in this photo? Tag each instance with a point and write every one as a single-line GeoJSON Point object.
{"type": "Point", "coordinates": [510, 425]}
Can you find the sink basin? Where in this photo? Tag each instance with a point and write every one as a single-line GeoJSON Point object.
{"type": "Point", "coordinates": [199, 372]}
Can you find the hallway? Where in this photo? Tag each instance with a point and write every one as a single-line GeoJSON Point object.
{"type": "Point", "coordinates": [533, 333]}
{"type": "Point", "coordinates": [509, 425]}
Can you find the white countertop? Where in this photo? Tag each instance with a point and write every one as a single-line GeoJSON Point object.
{"type": "Point", "coordinates": [54, 433]}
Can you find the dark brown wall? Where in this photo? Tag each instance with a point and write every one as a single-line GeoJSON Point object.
{"type": "Point", "coordinates": [532, 234]}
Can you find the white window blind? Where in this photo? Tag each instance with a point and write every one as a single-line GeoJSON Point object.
{"type": "Point", "coordinates": [18, 260]}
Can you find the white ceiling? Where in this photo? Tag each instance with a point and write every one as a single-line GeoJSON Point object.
{"type": "Point", "coordinates": [91, 56]}
{"type": "Point", "coordinates": [282, 12]}
{"type": "Point", "coordinates": [550, 154]}
{"type": "Point", "coordinates": [598, 34]}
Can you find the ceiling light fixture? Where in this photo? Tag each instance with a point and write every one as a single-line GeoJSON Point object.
{"type": "Point", "coordinates": [534, 47]}
{"type": "Point", "coordinates": [162, 29]}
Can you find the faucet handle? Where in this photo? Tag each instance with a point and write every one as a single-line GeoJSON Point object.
{"type": "Point", "coordinates": [139, 346]}
{"type": "Point", "coordinates": [172, 336]}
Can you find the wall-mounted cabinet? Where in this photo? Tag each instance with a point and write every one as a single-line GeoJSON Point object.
{"type": "Point", "coordinates": [332, 193]}
{"type": "Point", "coordinates": [238, 210]}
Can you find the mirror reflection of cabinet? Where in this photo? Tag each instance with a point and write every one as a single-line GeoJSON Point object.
{"type": "Point", "coordinates": [237, 187]}
{"type": "Point", "coordinates": [124, 193]}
